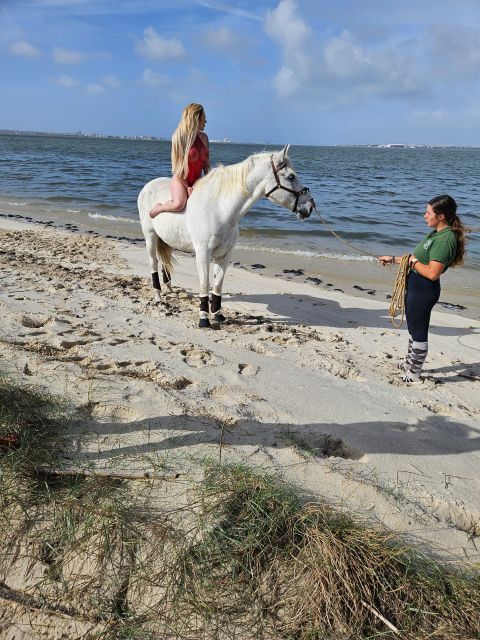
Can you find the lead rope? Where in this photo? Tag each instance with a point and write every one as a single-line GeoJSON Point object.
{"type": "Point", "coordinates": [367, 253]}
{"type": "Point", "coordinates": [398, 295]}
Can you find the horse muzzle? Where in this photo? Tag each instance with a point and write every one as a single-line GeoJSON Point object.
{"type": "Point", "coordinates": [305, 208]}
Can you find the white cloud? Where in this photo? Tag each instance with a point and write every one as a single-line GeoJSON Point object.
{"type": "Point", "coordinates": [455, 50]}
{"type": "Point", "coordinates": [66, 81]}
{"type": "Point", "coordinates": [152, 79]}
{"type": "Point", "coordinates": [285, 27]}
{"type": "Point", "coordinates": [111, 81]}
{"type": "Point", "coordinates": [24, 49]}
{"type": "Point", "coordinates": [346, 58]}
{"type": "Point", "coordinates": [436, 116]}
{"type": "Point", "coordinates": [337, 69]}
{"type": "Point", "coordinates": [155, 47]}
{"type": "Point", "coordinates": [67, 56]}
{"type": "Point", "coordinates": [94, 89]}
{"type": "Point", "coordinates": [467, 116]}
{"type": "Point", "coordinates": [224, 39]}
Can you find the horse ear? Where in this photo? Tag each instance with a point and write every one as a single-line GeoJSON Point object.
{"type": "Point", "coordinates": [285, 149]}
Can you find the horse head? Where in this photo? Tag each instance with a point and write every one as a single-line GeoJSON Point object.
{"type": "Point", "coordinates": [287, 189]}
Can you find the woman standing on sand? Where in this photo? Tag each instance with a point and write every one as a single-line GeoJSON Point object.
{"type": "Point", "coordinates": [440, 249]}
{"type": "Point", "coordinates": [190, 156]}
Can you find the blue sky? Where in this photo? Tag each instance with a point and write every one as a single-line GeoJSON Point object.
{"type": "Point", "coordinates": [298, 71]}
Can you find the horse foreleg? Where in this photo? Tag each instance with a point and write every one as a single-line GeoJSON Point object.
{"type": "Point", "coordinates": [151, 244]}
{"type": "Point", "coordinates": [203, 266]}
{"type": "Point", "coordinates": [219, 270]}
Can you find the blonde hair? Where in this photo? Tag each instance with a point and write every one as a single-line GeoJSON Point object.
{"type": "Point", "coordinates": [183, 138]}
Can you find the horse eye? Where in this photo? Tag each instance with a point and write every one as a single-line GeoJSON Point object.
{"type": "Point", "coordinates": [291, 177]}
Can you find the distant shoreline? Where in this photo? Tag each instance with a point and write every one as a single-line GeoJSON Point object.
{"type": "Point", "coordinates": [102, 136]}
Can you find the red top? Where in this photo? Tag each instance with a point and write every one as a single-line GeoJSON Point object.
{"type": "Point", "coordinates": [197, 158]}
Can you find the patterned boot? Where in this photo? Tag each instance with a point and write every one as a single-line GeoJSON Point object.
{"type": "Point", "coordinates": [405, 365]}
{"type": "Point", "coordinates": [417, 358]}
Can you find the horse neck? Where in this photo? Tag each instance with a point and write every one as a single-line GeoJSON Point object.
{"type": "Point", "coordinates": [256, 176]}
{"type": "Point", "coordinates": [233, 205]}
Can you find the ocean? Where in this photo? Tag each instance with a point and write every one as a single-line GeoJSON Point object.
{"type": "Point", "coordinates": [374, 197]}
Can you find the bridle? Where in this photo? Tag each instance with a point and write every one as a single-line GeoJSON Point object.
{"type": "Point", "coordinates": [297, 194]}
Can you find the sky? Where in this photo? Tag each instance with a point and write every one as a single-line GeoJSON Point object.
{"type": "Point", "coordinates": [270, 71]}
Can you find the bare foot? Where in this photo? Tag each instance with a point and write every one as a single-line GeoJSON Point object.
{"type": "Point", "coordinates": [154, 211]}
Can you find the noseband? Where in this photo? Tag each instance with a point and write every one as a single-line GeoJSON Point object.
{"type": "Point", "coordinates": [297, 194]}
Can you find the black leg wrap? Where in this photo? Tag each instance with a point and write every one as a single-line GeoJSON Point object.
{"type": "Point", "coordinates": [156, 281]}
{"type": "Point", "coordinates": [204, 303]}
{"type": "Point", "coordinates": [204, 323]}
{"type": "Point", "coordinates": [215, 303]}
{"type": "Point", "coordinates": [166, 277]}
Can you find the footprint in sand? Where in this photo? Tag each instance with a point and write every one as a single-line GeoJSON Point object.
{"type": "Point", "coordinates": [247, 369]}
{"type": "Point", "coordinates": [116, 341]}
{"type": "Point", "coordinates": [34, 322]}
{"type": "Point", "coordinates": [196, 357]}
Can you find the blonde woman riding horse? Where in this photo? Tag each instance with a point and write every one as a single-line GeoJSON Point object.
{"type": "Point", "coordinates": [190, 156]}
{"type": "Point", "coordinates": [209, 226]}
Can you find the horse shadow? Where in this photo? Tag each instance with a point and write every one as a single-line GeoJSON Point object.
{"type": "Point", "coordinates": [287, 308]}
{"type": "Point", "coordinates": [432, 436]}
{"type": "Point", "coordinates": [460, 371]}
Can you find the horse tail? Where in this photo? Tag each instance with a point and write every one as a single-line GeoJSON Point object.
{"type": "Point", "coordinates": [164, 250]}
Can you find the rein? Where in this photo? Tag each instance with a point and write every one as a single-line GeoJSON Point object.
{"type": "Point", "coordinates": [398, 295]}
{"type": "Point", "coordinates": [279, 185]}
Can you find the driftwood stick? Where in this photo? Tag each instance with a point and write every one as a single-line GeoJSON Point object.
{"type": "Point", "coordinates": [30, 602]}
{"type": "Point", "coordinates": [380, 617]}
{"type": "Point", "coordinates": [107, 473]}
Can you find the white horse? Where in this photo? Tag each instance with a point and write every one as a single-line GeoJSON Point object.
{"type": "Point", "coordinates": [209, 224]}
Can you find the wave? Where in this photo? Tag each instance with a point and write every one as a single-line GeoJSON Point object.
{"type": "Point", "coordinates": [308, 254]}
{"type": "Point", "coordinates": [103, 216]}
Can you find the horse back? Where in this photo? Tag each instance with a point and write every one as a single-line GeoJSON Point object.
{"type": "Point", "coordinates": [157, 190]}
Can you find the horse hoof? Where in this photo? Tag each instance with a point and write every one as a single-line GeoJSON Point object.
{"type": "Point", "coordinates": [204, 323]}
{"type": "Point", "coordinates": [219, 317]}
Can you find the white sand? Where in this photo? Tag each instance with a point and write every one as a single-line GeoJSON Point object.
{"type": "Point", "coordinates": [301, 380]}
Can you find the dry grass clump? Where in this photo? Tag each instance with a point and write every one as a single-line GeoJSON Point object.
{"type": "Point", "coordinates": [278, 569]}
{"type": "Point", "coordinates": [69, 542]}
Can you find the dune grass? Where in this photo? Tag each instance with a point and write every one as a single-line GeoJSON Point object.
{"type": "Point", "coordinates": [266, 561]}
{"type": "Point", "coordinates": [243, 557]}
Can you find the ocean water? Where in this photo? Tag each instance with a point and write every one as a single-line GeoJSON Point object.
{"type": "Point", "coordinates": [372, 197]}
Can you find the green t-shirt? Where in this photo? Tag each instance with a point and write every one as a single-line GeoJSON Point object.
{"type": "Point", "coordinates": [437, 245]}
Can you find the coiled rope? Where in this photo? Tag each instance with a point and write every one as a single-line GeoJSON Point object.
{"type": "Point", "coordinates": [398, 295]}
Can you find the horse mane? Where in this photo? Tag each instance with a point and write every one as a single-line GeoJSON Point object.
{"type": "Point", "coordinates": [225, 179]}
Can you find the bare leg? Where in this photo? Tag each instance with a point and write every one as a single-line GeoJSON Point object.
{"type": "Point", "coordinates": [178, 201]}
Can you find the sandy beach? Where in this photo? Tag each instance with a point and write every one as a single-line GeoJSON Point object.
{"type": "Point", "coordinates": [301, 379]}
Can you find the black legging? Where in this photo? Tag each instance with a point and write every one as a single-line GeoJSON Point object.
{"type": "Point", "coordinates": [421, 296]}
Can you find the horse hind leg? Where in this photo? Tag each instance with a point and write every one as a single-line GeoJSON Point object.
{"type": "Point", "coordinates": [151, 244]}
{"type": "Point", "coordinates": [164, 251]}
{"type": "Point", "coordinates": [167, 278]}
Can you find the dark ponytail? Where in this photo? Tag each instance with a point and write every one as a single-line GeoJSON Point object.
{"type": "Point", "coordinates": [447, 206]}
